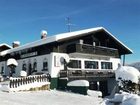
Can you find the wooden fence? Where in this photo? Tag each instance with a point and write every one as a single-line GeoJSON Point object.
{"type": "Point", "coordinates": [24, 81]}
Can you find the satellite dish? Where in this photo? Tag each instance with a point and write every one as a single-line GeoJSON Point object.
{"type": "Point", "coordinates": [62, 60]}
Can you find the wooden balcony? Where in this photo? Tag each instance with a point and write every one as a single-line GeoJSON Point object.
{"type": "Point", "coordinates": [86, 73]}
{"type": "Point", "coordinates": [98, 50]}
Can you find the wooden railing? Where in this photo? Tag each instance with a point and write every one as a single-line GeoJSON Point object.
{"type": "Point", "coordinates": [86, 73]}
{"type": "Point", "coordinates": [99, 50]}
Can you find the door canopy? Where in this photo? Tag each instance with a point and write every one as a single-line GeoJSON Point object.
{"type": "Point", "coordinates": [12, 62]}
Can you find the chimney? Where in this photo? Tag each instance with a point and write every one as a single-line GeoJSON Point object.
{"type": "Point", "coordinates": [43, 34]}
{"type": "Point", "coordinates": [16, 44]}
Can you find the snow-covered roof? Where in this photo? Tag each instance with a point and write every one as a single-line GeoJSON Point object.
{"type": "Point", "coordinates": [78, 83]}
{"type": "Point", "coordinates": [61, 37]}
{"type": "Point", "coordinates": [4, 44]}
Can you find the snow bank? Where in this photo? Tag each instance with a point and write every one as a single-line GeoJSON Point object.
{"type": "Point", "coordinates": [131, 99]}
{"type": "Point", "coordinates": [124, 99]}
{"type": "Point", "coordinates": [47, 98]}
{"type": "Point", "coordinates": [4, 86]}
{"type": "Point", "coordinates": [23, 73]}
{"type": "Point", "coordinates": [84, 83]}
{"type": "Point", "coordinates": [127, 73]}
{"type": "Point", "coordinates": [94, 93]}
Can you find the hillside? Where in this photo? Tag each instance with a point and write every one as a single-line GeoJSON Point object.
{"type": "Point", "coordinates": [136, 65]}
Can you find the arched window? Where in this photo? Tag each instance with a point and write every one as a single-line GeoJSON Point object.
{"type": "Point", "coordinates": [45, 65]}
{"type": "Point", "coordinates": [35, 66]}
{"type": "Point", "coordinates": [29, 68]}
{"type": "Point", "coordinates": [24, 68]}
{"type": "Point", "coordinates": [2, 69]}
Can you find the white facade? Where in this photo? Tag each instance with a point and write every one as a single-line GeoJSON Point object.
{"type": "Point", "coordinates": [53, 60]}
{"type": "Point", "coordinates": [54, 64]}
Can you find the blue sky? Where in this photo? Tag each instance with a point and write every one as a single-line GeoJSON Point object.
{"type": "Point", "coordinates": [23, 20]}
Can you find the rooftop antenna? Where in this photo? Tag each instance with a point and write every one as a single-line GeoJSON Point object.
{"type": "Point", "coordinates": [69, 24]}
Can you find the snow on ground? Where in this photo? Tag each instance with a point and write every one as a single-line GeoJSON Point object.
{"type": "Point", "coordinates": [55, 97]}
{"type": "Point", "coordinates": [124, 99]}
{"type": "Point", "coordinates": [52, 97]}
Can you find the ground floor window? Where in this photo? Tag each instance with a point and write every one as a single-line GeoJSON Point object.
{"type": "Point", "coordinates": [35, 66]}
{"type": "Point", "coordinates": [106, 65]}
{"type": "Point", "coordinates": [24, 68]}
{"type": "Point", "coordinates": [74, 64]}
{"type": "Point", "coordinates": [91, 64]}
{"type": "Point", "coordinates": [2, 69]}
{"type": "Point", "coordinates": [45, 65]}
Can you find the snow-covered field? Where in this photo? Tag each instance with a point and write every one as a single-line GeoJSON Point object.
{"type": "Point", "coordinates": [53, 97]}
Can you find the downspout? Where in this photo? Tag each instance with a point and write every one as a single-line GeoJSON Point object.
{"type": "Point", "coordinates": [124, 60]}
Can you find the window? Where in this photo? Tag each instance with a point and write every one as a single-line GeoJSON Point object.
{"type": "Point", "coordinates": [45, 65]}
{"type": "Point", "coordinates": [106, 65]}
{"type": "Point", "coordinates": [35, 66]}
{"type": "Point", "coordinates": [2, 69]}
{"type": "Point", "coordinates": [24, 66]}
{"type": "Point", "coordinates": [74, 64]}
{"type": "Point", "coordinates": [30, 69]}
{"type": "Point", "coordinates": [91, 64]}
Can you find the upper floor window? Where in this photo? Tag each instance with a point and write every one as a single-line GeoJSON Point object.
{"type": "Point", "coordinates": [74, 64]}
{"type": "Point", "coordinates": [106, 65]}
{"type": "Point", "coordinates": [45, 65]}
{"type": "Point", "coordinates": [91, 64]}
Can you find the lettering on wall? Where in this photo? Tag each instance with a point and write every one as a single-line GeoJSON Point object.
{"type": "Point", "coordinates": [28, 55]}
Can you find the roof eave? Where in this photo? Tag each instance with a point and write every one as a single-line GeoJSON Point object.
{"type": "Point", "coordinates": [129, 50]}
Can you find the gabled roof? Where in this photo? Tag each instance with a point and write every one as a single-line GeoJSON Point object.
{"type": "Point", "coordinates": [62, 37]}
{"type": "Point", "coordinates": [4, 46]}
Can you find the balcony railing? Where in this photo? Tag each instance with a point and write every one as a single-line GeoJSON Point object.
{"type": "Point", "coordinates": [98, 50]}
{"type": "Point", "coordinates": [86, 73]}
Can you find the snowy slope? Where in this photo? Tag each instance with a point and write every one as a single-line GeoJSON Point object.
{"type": "Point", "coordinates": [55, 97]}
{"type": "Point", "coordinates": [47, 98]}
{"type": "Point", "coordinates": [124, 99]}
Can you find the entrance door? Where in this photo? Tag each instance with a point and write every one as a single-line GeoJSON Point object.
{"type": "Point", "coordinates": [103, 88]}
{"type": "Point", "coordinates": [93, 85]}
